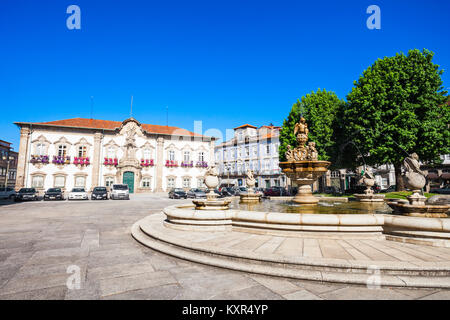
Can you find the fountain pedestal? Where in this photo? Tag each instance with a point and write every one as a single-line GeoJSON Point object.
{"type": "Point", "coordinates": [211, 202]}
{"type": "Point", "coordinates": [304, 173]}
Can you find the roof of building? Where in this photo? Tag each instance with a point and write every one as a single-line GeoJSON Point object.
{"type": "Point", "coordinates": [245, 126]}
{"type": "Point", "coordinates": [112, 125]}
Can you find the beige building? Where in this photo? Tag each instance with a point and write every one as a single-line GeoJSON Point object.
{"type": "Point", "coordinates": [87, 153]}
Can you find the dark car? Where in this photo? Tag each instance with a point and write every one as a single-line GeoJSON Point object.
{"type": "Point", "coordinates": [389, 189]}
{"type": "Point", "coordinates": [25, 194]}
{"type": "Point", "coordinates": [275, 192]}
{"type": "Point", "coordinates": [227, 191]}
{"type": "Point", "coordinates": [99, 193]}
{"type": "Point", "coordinates": [359, 189]}
{"type": "Point", "coordinates": [443, 190]}
{"type": "Point", "coordinates": [177, 193]}
{"type": "Point", "coordinates": [196, 193]}
{"type": "Point", "coordinates": [219, 194]}
{"type": "Point", "coordinates": [53, 194]}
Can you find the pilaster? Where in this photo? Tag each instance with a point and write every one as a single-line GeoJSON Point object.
{"type": "Point", "coordinates": [23, 156]}
{"type": "Point", "coordinates": [159, 164]}
{"type": "Point", "coordinates": [96, 161]}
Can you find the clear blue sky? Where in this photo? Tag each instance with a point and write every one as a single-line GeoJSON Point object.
{"type": "Point", "coordinates": [222, 62]}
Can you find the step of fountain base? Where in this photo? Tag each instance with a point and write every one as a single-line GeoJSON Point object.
{"type": "Point", "coordinates": [393, 274]}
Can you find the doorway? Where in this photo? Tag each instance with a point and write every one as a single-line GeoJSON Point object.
{"type": "Point", "coordinates": [128, 178]}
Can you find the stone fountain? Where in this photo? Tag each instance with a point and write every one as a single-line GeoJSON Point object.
{"type": "Point", "coordinates": [302, 165]}
{"type": "Point", "coordinates": [211, 202]}
{"type": "Point", "coordinates": [250, 196]}
{"type": "Point", "coordinates": [416, 205]}
{"type": "Point", "coordinates": [368, 195]}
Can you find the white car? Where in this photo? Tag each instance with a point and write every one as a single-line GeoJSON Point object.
{"type": "Point", "coordinates": [78, 194]}
{"type": "Point", "coordinates": [120, 191]}
{"type": "Point", "coordinates": [7, 193]}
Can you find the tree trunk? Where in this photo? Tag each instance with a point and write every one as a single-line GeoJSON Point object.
{"type": "Point", "coordinates": [399, 184]}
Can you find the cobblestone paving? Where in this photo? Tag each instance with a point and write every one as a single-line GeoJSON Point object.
{"type": "Point", "coordinates": [39, 241]}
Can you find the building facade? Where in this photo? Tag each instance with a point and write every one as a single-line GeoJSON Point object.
{"type": "Point", "coordinates": [87, 153]}
{"type": "Point", "coordinates": [251, 148]}
{"type": "Point", "coordinates": [8, 165]}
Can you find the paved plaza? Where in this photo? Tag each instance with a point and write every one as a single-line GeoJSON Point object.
{"type": "Point", "coordinates": [40, 241]}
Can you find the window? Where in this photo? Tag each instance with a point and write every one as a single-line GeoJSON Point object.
{"type": "Point", "coordinates": [201, 156]}
{"type": "Point", "coordinates": [200, 182]}
{"type": "Point", "coordinates": [335, 174]}
{"type": "Point", "coordinates": [62, 149]}
{"type": "Point", "coordinates": [186, 156]}
{"type": "Point", "coordinates": [267, 165]}
{"type": "Point", "coordinates": [80, 181]}
{"type": "Point", "coordinates": [109, 181]}
{"type": "Point", "coordinates": [239, 152]}
{"type": "Point", "coordinates": [111, 152]}
{"type": "Point", "coordinates": [146, 182]}
{"type": "Point", "coordinates": [186, 182]}
{"type": "Point", "coordinates": [40, 149]}
{"type": "Point", "coordinates": [82, 151]}
{"type": "Point", "coordinates": [255, 151]}
{"type": "Point", "coordinates": [147, 154]}
{"type": "Point", "coordinates": [37, 182]}
{"type": "Point", "coordinates": [268, 149]}
{"type": "Point", "coordinates": [247, 151]}
{"type": "Point", "coordinates": [171, 155]}
{"type": "Point", "coordinates": [171, 182]}
{"type": "Point", "coordinates": [60, 181]}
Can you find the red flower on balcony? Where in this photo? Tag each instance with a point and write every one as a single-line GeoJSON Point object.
{"type": "Point", "coordinates": [147, 163]}
{"type": "Point", "coordinates": [111, 162]}
{"type": "Point", "coordinates": [83, 161]}
{"type": "Point", "coordinates": [171, 163]}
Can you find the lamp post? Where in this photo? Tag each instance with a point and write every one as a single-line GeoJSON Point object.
{"type": "Point", "coordinates": [7, 158]}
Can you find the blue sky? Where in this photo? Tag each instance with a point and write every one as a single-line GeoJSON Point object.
{"type": "Point", "coordinates": [222, 62]}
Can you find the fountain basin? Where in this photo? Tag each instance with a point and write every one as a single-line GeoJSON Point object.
{"type": "Point", "coordinates": [305, 173]}
{"type": "Point", "coordinates": [404, 207]}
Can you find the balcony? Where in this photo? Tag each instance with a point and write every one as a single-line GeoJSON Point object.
{"type": "Point", "coordinates": [111, 162]}
{"type": "Point", "coordinates": [39, 159]}
{"type": "Point", "coordinates": [82, 161]}
{"type": "Point", "coordinates": [147, 163]}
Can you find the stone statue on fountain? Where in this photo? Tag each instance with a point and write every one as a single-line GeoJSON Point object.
{"type": "Point", "coordinates": [250, 196]}
{"type": "Point", "coordinates": [302, 151]}
{"type": "Point", "coordinates": [414, 179]}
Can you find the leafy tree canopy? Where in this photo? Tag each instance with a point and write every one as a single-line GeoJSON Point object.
{"type": "Point", "coordinates": [319, 109]}
{"type": "Point", "coordinates": [398, 106]}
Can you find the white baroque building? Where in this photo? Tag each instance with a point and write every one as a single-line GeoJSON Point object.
{"type": "Point", "coordinates": [87, 153]}
{"type": "Point", "coordinates": [251, 148]}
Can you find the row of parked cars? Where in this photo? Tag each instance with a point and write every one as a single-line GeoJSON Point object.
{"type": "Point", "coordinates": [196, 193]}
{"type": "Point", "coordinates": [117, 191]}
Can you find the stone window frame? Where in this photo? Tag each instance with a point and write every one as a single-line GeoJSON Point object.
{"type": "Point", "coordinates": [58, 174]}
{"type": "Point", "coordinates": [172, 148]}
{"type": "Point", "coordinates": [106, 176]}
{"type": "Point", "coordinates": [77, 175]}
{"type": "Point", "coordinates": [147, 146]}
{"type": "Point", "coordinates": [82, 143]}
{"type": "Point", "coordinates": [190, 182]}
{"type": "Point", "coordinates": [111, 144]}
{"type": "Point", "coordinates": [174, 182]}
{"type": "Point", "coordinates": [145, 177]}
{"type": "Point", "coordinates": [40, 174]}
{"type": "Point", "coordinates": [201, 178]}
{"type": "Point", "coordinates": [62, 141]}
{"type": "Point", "coordinates": [40, 140]}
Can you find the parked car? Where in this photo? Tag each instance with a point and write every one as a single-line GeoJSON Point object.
{"type": "Point", "coordinates": [53, 194]}
{"type": "Point", "coordinates": [25, 194]}
{"type": "Point", "coordinates": [389, 189]}
{"type": "Point", "coordinates": [359, 189]}
{"type": "Point", "coordinates": [219, 194]}
{"type": "Point", "coordinates": [7, 193]}
{"type": "Point", "coordinates": [177, 193]}
{"type": "Point", "coordinates": [444, 190]}
{"type": "Point", "coordinates": [120, 191]}
{"type": "Point", "coordinates": [227, 191]}
{"type": "Point", "coordinates": [275, 192]}
{"type": "Point", "coordinates": [78, 194]}
{"type": "Point", "coordinates": [239, 190]}
{"type": "Point", "coordinates": [99, 193]}
{"type": "Point", "coordinates": [259, 191]}
{"type": "Point", "coordinates": [196, 193]}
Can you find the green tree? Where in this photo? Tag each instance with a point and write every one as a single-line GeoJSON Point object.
{"type": "Point", "coordinates": [319, 109]}
{"type": "Point", "coordinates": [398, 107]}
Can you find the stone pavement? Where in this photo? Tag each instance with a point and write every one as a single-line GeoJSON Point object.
{"type": "Point", "coordinates": [39, 241]}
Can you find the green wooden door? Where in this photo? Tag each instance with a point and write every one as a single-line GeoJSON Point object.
{"type": "Point", "coordinates": [128, 178]}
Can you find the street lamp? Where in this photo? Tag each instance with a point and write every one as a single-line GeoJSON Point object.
{"type": "Point", "coordinates": [8, 159]}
